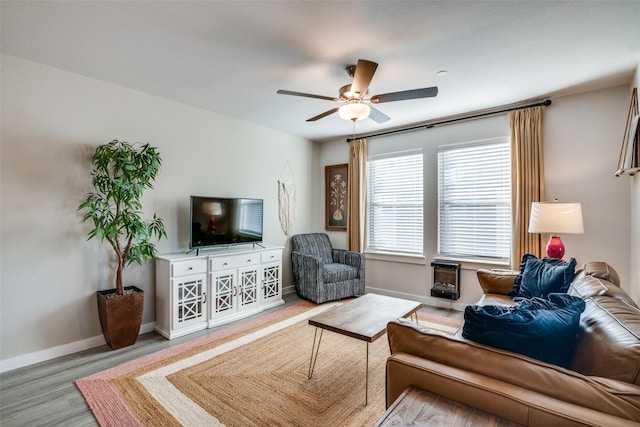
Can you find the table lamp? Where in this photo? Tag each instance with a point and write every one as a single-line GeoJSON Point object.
{"type": "Point", "coordinates": [556, 218]}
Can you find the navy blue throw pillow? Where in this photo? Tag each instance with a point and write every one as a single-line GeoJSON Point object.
{"type": "Point", "coordinates": [545, 329]}
{"type": "Point", "coordinates": [540, 277]}
{"type": "Point", "coordinates": [518, 280]}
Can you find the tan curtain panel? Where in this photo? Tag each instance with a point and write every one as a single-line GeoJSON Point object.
{"type": "Point", "coordinates": [527, 178]}
{"type": "Point", "coordinates": [356, 204]}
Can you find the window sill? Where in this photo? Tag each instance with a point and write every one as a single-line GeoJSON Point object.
{"type": "Point", "coordinates": [465, 263]}
{"type": "Point", "coordinates": [474, 263]}
{"type": "Point", "coordinates": [396, 257]}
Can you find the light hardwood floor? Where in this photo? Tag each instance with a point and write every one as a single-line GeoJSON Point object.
{"type": "Point", "coordinates": [45, 394]}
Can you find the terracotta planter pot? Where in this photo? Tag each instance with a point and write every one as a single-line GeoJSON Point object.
{"type": "Point", "coordinates": [120, 316]}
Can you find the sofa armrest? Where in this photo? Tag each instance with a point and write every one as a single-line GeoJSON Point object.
{"type": "Point", "coordinates": [354, 259]}
{"type": "Point", "coordinates": [521, 371]}
{"type": "Point", "coordinates": [306, 268]}
{"type": "Point", "coordinates": [514, 403]}
{"type": "Point", "coordinates": [496, 281]}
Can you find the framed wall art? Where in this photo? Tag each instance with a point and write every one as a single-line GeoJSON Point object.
{"type": "Point", "coordinates": [335, 197]}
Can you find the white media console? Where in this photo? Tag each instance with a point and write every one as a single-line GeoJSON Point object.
{"type": "Point", "coordinates": [199, 291]}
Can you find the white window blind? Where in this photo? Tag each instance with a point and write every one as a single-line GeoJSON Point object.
{"type": "Point", "coordinates": [251, 217]}
{"type": "Point", "coordinates": [395, 203]}
{"type": "Point", "coordinates": [474, 201]}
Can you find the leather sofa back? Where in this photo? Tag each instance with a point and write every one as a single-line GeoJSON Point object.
{"type": "Point", "coordinates": [598, 279]}
{"type": "Point", "coordinates": [609, 343]}
{"type": "Point", "coordinates": [600, 270]}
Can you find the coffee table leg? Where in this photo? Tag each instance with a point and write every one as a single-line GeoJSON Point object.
{"type": "Point", "coordinates": [366, 381]}
{"type": "Point", "coordinates": [314, 349]}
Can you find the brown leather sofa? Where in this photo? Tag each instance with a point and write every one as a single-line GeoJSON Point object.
{"type": "Point", "coordinates": [602, 388]}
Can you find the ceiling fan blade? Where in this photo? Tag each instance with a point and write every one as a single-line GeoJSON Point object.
{"type": "Point", "coordinates": [426, 92]}
{"type": "Point", "coordinates": [306, 95]}
{"type": "Point", "coordinates": [362, 76]}
{"type": "Point", "coordinates": [325, 114]}
{"type": "Point", "coordinates": [377, 115]}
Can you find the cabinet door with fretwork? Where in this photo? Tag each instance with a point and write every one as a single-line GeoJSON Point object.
{"type": "Point", "coordinates": [248, 287]}
{"type": "Point", "coordinates": [190, 297]}
{"type": "Point", "coordinates": [223, 293]}
{"type": "Point", "coordinates": [271, 278]}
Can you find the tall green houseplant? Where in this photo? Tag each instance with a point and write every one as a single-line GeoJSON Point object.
{"type": "Point", "coordinates": [121, 172]}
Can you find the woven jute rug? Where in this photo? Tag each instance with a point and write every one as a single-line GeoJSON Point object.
{"type": "Point", "coordinates": [250, 374]}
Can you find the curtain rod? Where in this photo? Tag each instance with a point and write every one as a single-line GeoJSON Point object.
{"type": "Point", "coordinates": [470, 116]}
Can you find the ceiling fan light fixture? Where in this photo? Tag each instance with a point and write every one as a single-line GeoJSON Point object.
{"type": "Point", "coordinates": [354, 95]}
{"type": "Point", "coordinates": [354, 111]}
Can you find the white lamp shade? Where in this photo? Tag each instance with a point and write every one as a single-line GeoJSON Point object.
{"type": "Point", "coordinates": [556, 218]}
{"type": "Point", "coordinates": [354, 111]}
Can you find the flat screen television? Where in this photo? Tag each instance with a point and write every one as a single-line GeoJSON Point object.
{"type": "Point", "coordinates": [219, 221]}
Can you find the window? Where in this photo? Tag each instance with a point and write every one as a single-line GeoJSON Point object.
{"type": "Point", "coordinates": [474, 200]}
{"type": "Point", "coordinates": [394, 203]}
{"type": "Point", "coordinates": [251, 217]}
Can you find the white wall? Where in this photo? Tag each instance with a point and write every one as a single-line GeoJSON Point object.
{"type": "Point", "coordinates": [583, 134]}
{"type": "Point", "coordinates": [582, 142]}
{"type": "Point", "coordinates": [51, 122]}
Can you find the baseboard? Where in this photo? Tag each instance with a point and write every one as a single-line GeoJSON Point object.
{"type": "Point", "coordinates": [286, 290]}
{"type": "Point", "coordinates": [59, 351]}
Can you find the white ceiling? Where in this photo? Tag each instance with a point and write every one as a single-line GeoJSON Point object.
{"type": "Point", "coordinates": [231, 56]}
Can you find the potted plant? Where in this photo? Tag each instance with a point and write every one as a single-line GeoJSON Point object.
{"type": "Point", "coordinates": [121, 171]}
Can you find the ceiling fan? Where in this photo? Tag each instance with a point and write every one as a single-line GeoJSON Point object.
{"type": "Point", "coordinates": [353, 96]}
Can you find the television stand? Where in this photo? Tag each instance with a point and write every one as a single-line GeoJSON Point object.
{"type": "Point", "coordinates": [195, 292]}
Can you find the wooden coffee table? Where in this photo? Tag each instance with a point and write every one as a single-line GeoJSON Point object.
{"type": "Point", "coordinates": [365, 319]}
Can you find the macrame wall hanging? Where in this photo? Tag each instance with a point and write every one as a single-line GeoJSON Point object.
{"type": "Point", "coordinates": [287, 200]}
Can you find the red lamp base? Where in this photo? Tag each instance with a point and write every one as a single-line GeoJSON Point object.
{"type": "Point", "coordinates": [555, 247]}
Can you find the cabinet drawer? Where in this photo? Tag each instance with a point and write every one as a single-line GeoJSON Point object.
{"type": "Point", "coordinates": [234, 261]}
{"type": "Point", "coordinates": [182, 268]}
{"type": "Point", "coordinates": [271, 256]}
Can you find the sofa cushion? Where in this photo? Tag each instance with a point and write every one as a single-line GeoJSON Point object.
{"type": "Point", "coordinates": [546, 330]}
{"type": "Point", "coordinates": [540, 277]}
{"type": "Point", "coordinates": [496, 299]}
{"type": "Point", "coordinates": [338, 273]}
{"type": "Point", "coordinates": [600, 270]}
{"type": "Point", "coordinates": [586, 285]}
{"type": "Point", "coordinates": [609, 342]}
{"type": "Point", "coordinates": [518, 280]}
{"type": "Point", "coordinates": [496, 281]}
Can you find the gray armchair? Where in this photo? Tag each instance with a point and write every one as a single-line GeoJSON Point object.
{"type": "Point", "coordinates": [322, 273]}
